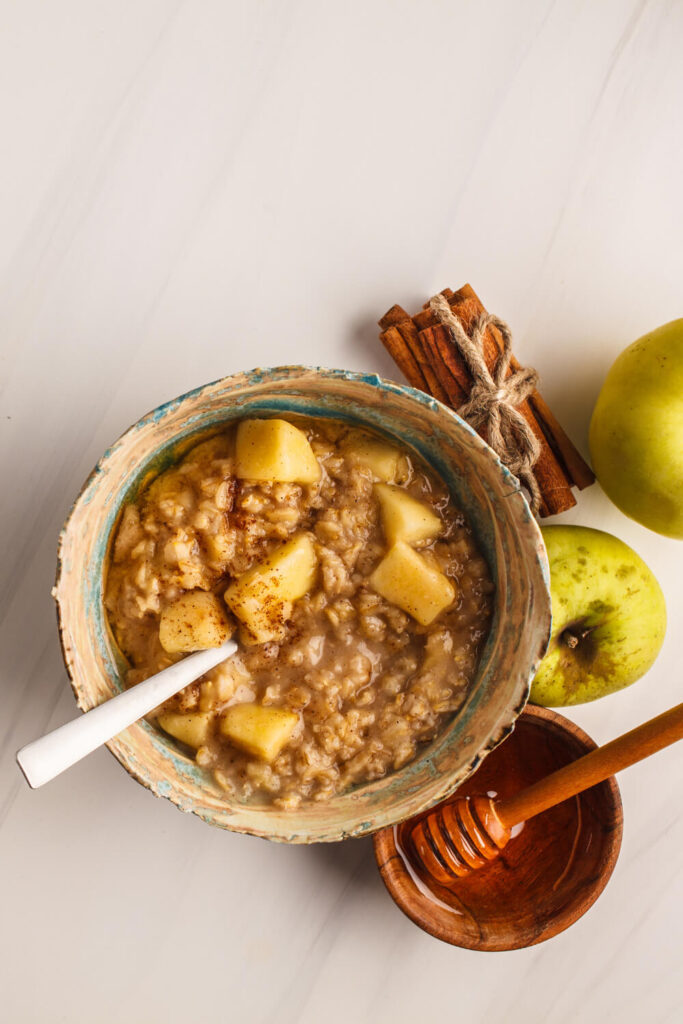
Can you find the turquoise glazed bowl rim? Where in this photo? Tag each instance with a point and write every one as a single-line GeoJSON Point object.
{"type": "Point", "coordinates": [487, 492]}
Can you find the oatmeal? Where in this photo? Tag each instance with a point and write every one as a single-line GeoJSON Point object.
{"type": "Point", "coordinates": [355, 587]}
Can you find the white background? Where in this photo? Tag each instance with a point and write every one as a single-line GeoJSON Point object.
{"type": "Point", "coordinates": [189, 189]}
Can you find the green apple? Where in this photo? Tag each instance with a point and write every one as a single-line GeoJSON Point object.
{"type": "Point", "coordinates": [636, 433]}
{"type": "Point", "coordinates": [609, 617]}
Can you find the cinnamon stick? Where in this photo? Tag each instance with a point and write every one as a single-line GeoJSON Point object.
{"type": "Point", "coordinates": [402, 354]}
{"type": "Point", "coordinates": [400, 334]}
{"type": "Point", "coordinates": [423, 349]}
{"type": "Point", "coordinates": [576, 470]}
{"type": "Point", "coordinates": [553, 484]}
{"type": "Point", "coordinates": [452, 374]}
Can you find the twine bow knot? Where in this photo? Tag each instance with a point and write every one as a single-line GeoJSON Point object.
{"type": "Point", "coordinates": [494, 397]}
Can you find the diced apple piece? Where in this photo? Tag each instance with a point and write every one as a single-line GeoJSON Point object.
{"type": "Point", "coordinates": [383, 460]}
{"type": "Point", "coordinates": [407, 580]}
{"type": "Point", "coordinates": [404, 517]}
{"type": "Point", "coordinates": [263, 597]}
{"type": "Point", "coordinates": [192, 728]}
{"type": "Point", "coordinates": [260, 731]}
{"type": "Point", "coordinates": [274, 450]}
{"type": "Point", "coordinates": [194, 622]}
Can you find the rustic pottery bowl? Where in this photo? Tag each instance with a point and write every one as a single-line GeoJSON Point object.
{"type": "Point", "coordinates": [484, 489]}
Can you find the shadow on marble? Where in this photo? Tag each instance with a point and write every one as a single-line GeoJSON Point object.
{"type": "Point", "coordinates": [351, 859]}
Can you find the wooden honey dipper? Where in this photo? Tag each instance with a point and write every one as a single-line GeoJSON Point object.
{"type": "Point", "coordinates": [466, 833]}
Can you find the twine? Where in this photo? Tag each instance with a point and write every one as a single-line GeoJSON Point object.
{"type": "Point", "coordinates": [493, 398]}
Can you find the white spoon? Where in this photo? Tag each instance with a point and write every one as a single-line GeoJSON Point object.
{"type": "Point", "coordinates": [49, 756]}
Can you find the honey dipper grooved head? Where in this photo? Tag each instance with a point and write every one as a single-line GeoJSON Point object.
{"type": "Point", "coordinates": [457, 837]}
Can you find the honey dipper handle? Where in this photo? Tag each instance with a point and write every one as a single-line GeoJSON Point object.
{"type": "Point", "coordinates": [595, 767]}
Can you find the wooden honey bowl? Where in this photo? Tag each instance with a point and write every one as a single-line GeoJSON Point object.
{"type": "Point", "coordinates": [554, 868]}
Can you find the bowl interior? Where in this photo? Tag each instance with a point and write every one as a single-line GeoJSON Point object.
{"type": "Point", "coordinates": [483, 488]}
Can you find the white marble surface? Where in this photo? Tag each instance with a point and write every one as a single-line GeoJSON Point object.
{"type": "Point", "coordinates": [190, 189]}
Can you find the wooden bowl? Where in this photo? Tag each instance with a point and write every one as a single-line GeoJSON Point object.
{"type": "Point", "coordinates": [547, 876]}
{"type": "Point", "coordinates": [489, 495]}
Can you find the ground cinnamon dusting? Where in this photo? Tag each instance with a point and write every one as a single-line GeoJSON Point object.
{"type": "Point", "coordinates": [424, 350]}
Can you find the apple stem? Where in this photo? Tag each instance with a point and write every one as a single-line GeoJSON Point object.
{"type": "Point", "coordinates": [570, 639]}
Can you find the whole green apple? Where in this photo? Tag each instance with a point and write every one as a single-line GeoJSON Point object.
{"type": "Point", "coordinates": [609, 617]}
{"type": "Point", "coordinates": [636, 433]}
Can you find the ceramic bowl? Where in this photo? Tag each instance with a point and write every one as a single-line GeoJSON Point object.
{"type": "Point", "coordinates": [484, 489]}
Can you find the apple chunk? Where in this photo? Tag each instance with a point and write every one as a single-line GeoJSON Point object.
{"type": "Point", "coordinates": [260, 731]}
{"type": "Point", "coordinates": [192, 729]}
{"type": "Point", "coordinates": [383, 460]}
{"type": "Point", "coordinates": [404, 517]}
{"type": "Point", "coordinates": [406, 579]}
{"type": "Point", "coordinates": [263, 597]}
{"type": "Point", "coordinates": [193, 622]}
{"type": "Point", "coordinates": [274, 450]}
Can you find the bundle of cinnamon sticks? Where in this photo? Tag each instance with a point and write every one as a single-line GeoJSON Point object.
{"type": "Point", "coordinates": [424, 351]}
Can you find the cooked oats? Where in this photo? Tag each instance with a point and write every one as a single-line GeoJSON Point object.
{"type": "Point", "coordinates": [367, 683]}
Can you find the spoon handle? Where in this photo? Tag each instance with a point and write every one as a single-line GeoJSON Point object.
{"type": "Point", "coordinates": [52, 754]}
{"type": "Point", "coordinates": [595, 767]}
